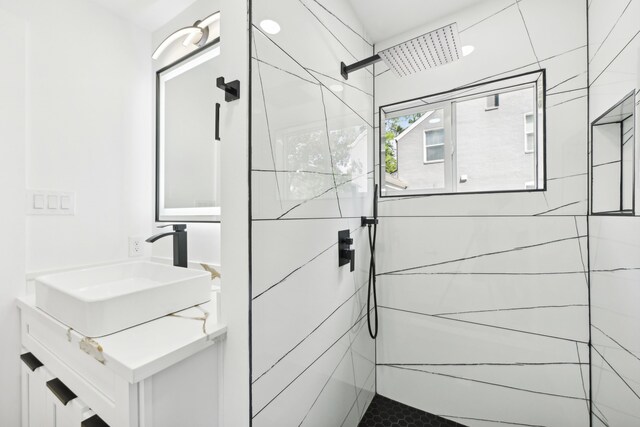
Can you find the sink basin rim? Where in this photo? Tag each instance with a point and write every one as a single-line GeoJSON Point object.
{"type": "Point", "coordinates": [97, 304]}
{"type": "Point", "coordinates": [52, 280]}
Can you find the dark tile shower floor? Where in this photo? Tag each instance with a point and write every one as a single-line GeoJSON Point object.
{"type": "Point", "coordinates": [385, 412]}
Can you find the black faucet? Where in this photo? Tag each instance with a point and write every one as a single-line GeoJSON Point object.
{"type": "Point", "coordinates": [179, 234]}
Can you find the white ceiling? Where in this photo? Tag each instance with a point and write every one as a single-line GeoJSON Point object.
{"type": "Point", "coordinates": [383, 19]}
{"type": "Point", "coordinates": [147, 14]}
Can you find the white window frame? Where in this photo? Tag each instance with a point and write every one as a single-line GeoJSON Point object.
{"type": "Point", "coordinates": [449, 105]}
{"type": "Point", "coordinates": [424, 146]}
{"type": "Point", "coordinates": [531, 132]}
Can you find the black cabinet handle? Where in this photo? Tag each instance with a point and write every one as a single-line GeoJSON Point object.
{"type": "Point", "coordinates": [31, 361]}
{"type": "Point", "coordinates": [61, 391]}
{"type": "Point", "coordinates": [94, 421]}
{"type": "Point", "coordinates": [217, 121]}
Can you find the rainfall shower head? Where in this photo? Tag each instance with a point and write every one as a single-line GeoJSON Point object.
{"type": "Point", "coordinates": [430, 50]}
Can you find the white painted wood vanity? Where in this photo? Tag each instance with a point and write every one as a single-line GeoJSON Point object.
{"type": "Point", "coordinates": [163, 373]}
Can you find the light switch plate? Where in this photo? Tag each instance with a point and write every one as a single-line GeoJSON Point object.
{"type": "Point", "coordinates": [65, 203]}
{"type": "Point", "coordinates": [52, 202]}
{"type": "Point", "coordinates": [47, 202]}
{"type": "Point", "coordinates": [38, 201]}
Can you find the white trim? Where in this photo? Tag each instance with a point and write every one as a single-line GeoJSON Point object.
{"type": "Point", "coordinates": [424, 146]}
{"type": "Point", "coordinates": [394, 182]}
{"type": "Point", "coordinates": [531, 132]}
{"type": "Point", "coordinates": [498, 91]}
{"type": "Point", "coordinates": [415, 124]}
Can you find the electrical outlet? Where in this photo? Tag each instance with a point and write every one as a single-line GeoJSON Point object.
{"type": "Point", "coordinates": [135, 246]}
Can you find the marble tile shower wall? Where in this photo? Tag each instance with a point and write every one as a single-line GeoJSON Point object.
{"type": "Point", "coordinates": [484, 298]}
{"type": "Point", "coordinates": [313, 363]}
{"type": "Point", "coordinates": [614, 71]}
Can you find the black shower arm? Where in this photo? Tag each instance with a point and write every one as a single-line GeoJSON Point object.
{"type": "Point", "coordinates": [346, 69]}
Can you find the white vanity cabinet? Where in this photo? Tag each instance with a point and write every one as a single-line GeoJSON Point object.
{"type": "Point", "coordinates": [73, 413]}
{"type": "Point", "coordinates": [41, 407]}
{"type": "Point", "coordinates": [36, 409]}
{"type": "Point", "coordinates": [163, 373]}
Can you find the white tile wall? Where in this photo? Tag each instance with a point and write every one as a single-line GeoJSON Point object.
{"type": "Point", "coordinates": [484, 298]}
{"type": "Point", "coordinates": [503, 48]}
{"type": "Point", "coordinates": [614, 313]}
{"type": "Point", "coordinates": [485, 314]}
{"type": "Point", "coordinates": [312, 162]}
{"type": "Point", "coordinates": [614, 71]}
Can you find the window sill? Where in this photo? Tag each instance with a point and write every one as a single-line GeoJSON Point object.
{"type": "Point", "coordinates": [444, 192]}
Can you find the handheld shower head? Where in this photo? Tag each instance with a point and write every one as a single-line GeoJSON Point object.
{"type": "Point", "coordinates": [375, 202]}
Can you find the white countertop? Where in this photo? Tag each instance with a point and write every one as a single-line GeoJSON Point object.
{"type": "Point", "coordinates": [141, 351]}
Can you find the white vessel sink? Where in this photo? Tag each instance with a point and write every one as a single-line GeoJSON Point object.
{"type": "Point", "coordinates": [103, 300]}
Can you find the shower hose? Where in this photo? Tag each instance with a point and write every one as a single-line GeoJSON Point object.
{"type": "Point", "coordinates": [373, 331]}
{"type": "Point", "coordinates": [372, 225]}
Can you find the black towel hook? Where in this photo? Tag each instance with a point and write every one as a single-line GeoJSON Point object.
{"type": "Point", "coordinates": [231, 89]}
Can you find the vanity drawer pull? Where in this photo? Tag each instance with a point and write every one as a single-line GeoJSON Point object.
{"type": "Point", "coordinates": [61, 391]}
{"type": "Point", "coordinates": [31, 361]}
{"type": "Point", "coordinates": [94, 421]}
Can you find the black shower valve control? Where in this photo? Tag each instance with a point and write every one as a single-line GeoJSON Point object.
{"type": "Point", "coordinates": [346, 255]}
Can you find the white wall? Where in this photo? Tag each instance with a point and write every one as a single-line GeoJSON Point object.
{"type": "Point", "coordinates": [312, 176]}
{"type": "Point", "coordinates": [614, 71]}
{"type": "Point", "coordinates": [77, 81]}
{"type": "Point", "coordinates": [89, 130]}
{"type": "Point", "coordinates": [204, 238]}
{"type": "Point", "coordinates": [234, 126]}
{"type": "Point", "coordinates": [494, 280]}
{"type": "Point", "coordinates": [12, 179]}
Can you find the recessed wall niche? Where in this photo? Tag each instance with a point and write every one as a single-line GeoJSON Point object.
{"type": "Point", "coordinates": [613, 160]}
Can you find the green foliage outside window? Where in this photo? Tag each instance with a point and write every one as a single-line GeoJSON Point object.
{"type": "Point", "coordinates": [393, 128]}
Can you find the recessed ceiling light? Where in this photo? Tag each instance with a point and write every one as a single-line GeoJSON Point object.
{"type": "Point", "coordinates": [467, 50]}
{"type": "Point", "coordinates": [434, 121]}
{"type": "Point", "coordinates": [336, 88]}
{"type": "Point", "coordinates": [269, 26]}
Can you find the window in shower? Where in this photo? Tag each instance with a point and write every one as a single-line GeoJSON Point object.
{"type": "Point", "coordinates": [461, 142]}
{"type": "Point", "coordinates": [612, 160]}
